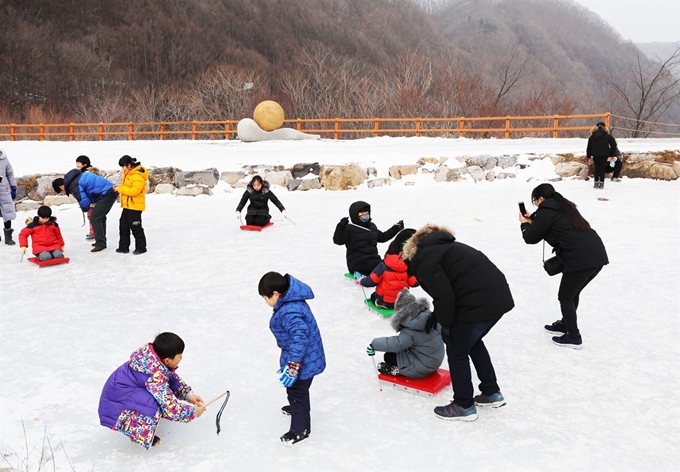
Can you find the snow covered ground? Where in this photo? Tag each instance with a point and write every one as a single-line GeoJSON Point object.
{"type": "Point", "coordinates": [63, 330]}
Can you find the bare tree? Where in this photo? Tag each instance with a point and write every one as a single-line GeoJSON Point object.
{"type": "Point", "coordinates": [646, 90]}
{"type": "Point", "coordinates": [512, 71]}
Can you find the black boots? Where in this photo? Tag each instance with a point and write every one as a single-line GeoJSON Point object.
{"type": "Point", "coordinates": [8, 237]}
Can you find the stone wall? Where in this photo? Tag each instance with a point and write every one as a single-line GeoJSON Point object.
{"type": "Point", "coordinates": [36, 189]}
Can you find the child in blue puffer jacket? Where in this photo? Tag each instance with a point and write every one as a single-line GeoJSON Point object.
{"type": "Point", "coordinates": [302, 354]}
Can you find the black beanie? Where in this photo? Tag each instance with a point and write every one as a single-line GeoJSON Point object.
{"type": "Point", "coordinates": [398, 244]}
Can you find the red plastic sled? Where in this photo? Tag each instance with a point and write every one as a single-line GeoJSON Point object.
{"type": "Point", "coordinates": [427, 387]}
{"type": "Point", "coordinates": [256, 228]}
{"type": "Point", "coordinates": [60, 260]}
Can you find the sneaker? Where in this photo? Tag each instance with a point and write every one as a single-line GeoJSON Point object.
{"type": "Point", "coordinates": [616, 179]}
{"type": "Point", "coordinates": [495, 400]}
{"type": "Point", "coordinates": [97, 248]}
{"type": "Point", "coordinates": [137, 252]}
{"type": "Point", "coordinates": [286, 410]}
{"type": "Point", "coordinates": [387, 369]}
{"type": "Point", "coordinates": [452, 411]}
{"type": "Point", "coordinates": [569, 340]}
{"type": "Point", "coordinates": [558, 327]}
{"type": "Point", "coordinates": [94, 244]}
{"type": "Point", "coordinates": [291, 438]}
{"type": "Point", "coordinates": [122, 251]}
{"type": "Point", "coordinates": [89, 237]}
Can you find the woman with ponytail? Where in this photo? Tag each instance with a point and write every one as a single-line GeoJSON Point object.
{"type": "Point", "coordinates": [559, 223]}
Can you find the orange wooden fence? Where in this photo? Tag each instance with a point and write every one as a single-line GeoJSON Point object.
{"type": "Point", "coordinates": [490, 126]}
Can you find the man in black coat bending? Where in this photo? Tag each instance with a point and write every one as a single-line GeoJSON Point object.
{"type": "Point", "coordinates": [469, 296]}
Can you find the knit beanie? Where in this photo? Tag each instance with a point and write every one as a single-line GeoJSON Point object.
{"type": "Point", "coordinates": [398, 244]}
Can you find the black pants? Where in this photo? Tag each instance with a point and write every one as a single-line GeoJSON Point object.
{"type": "Point", "coordinates": [131, 221]}
{"type": "Point", "coordinates": [257, 220]}
{"type": "Point", "coordinates": [298, 398]}
{"type": "Point", "coordinates": [380, 301]}
{"type": "Point", "coordinates": [571, 285]}
{"type": "Point", "coordinates": [365, 266]}
{"type": "Point", "coordinates": [390, 358]}
{"type": "Point", "coordinates": [599, 163]}
{"type": "Point", "coordinates": [463, 341]}
{"type": "Point", "coordinates": [98, 217]}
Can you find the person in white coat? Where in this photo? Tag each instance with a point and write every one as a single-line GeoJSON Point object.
{"type": "Point", "coordinates": [8, 192]}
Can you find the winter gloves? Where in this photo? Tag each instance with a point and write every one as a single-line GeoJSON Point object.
{"type": "Point", "coordinates": [13, 189]}
{"type": "Point", "coordinates": [400, 224]}
{"type": "Point", "coordinates": [370, 351]}
{"type": "Point", "coordinates": [344, 221]}
{"type": "Point", "coordinates": [289, 374]}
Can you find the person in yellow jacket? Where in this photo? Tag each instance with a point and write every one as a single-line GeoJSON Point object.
{"type": "Point", "coordinates": [132, 192]}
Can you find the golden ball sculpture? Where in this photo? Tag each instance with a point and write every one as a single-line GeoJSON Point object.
{"type": "Point", "coordinates": [269, 115]}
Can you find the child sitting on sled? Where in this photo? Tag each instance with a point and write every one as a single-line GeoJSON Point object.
{"type": "Point", "coordinates": [390, 276]}
{"type": "Point", "coordinates": [415, 352]}
{"type": "Point", "coordinates": [46, 239]}
{"type": "Point", "coordinates": [145, 389]}
{"type": "Point", "coordinates": [361, 237]}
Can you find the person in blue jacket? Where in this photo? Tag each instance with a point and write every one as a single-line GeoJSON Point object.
{"type": "Point", "coordinates": [302, 355]}
{"type": "Point", "coordinates": [90, 188]}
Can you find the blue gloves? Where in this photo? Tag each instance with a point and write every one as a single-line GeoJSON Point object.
{"type": "Point", "coordinates": [13, 191]}
{"type": "Point", "coordinates": [370, 351]}
{"type": "Point", "coordinates": [289, 374]}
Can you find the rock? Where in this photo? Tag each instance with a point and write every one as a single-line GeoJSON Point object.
{"type": "Point", "coordinates": [490, 176]}
{"type": "Point", "coordinates": [301, 170]}
{"type": "Point", "coordinates": [28, 205]}
{"type": "Point", "coordinates": [382, 182]}
{"type": "Point", "coordinates": [371, 171]}
{"type": "Point", "coordinates": [164, 189]}
{"type": "Point", "coordinates": [485, 162]}
{"type": "Point", "coordinates": [341, 177]}
{"type": "Point", "coordinates": [427, 160]}
{"type": "Point", "coordinates": [454, 175]}
{"type": "Point", "coordinates": [194, 191]}
{"type": "Point", "coordinates": [249, 132]}
{"type": "Point", "coordinates": [397, 171]}
{"type": "Point", "coordinates": [477, 173]}
{"type": "Point", "coordinates": [232, 177]}
{"type": "Point", "coordinates": [441, 173]}
{"type": "Point", "coordinates": [208, 177]}
{"type": "Point", "coordinates": [505, 175]}
{"type": "Point", "coordinates": [506, 161]}
{"type": "Point", "coordinates": [56, 200]}
{"type": "Point", "coordinates": [572, 169]}
{"type": "Point", "coordinates": [279, 178]}
{"type": "Point", "coordinates": [303, 184]}
{"type": "Point", "coordinates": [442, 160]}
{"type": "Point", "coordinates": [161, 175]}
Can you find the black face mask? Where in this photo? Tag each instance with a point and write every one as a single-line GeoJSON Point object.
{"type": "Point", "coordinates": [365, 218]}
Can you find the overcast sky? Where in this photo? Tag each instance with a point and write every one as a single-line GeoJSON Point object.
{"type": "Point", "coordinates": [641, 21]}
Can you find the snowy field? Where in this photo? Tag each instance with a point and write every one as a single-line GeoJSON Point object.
{"type": "Point", "coordinates": [614, 406]}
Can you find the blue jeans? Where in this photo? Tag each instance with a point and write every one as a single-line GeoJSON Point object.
{"type": "Point", "coordinates": [463, 341]}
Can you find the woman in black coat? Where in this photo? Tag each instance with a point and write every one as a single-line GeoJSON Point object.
{"type": "Point", "coordinates": [559, 223]}
{"type": "Point", "coordinates": [600, 147]}
{"type": "Point", "coordinates": [469, 294]}
{"type": "Point", "coordinates": [257, 191]}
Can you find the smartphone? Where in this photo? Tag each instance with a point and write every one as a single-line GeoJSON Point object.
{"type": "Point", "coordinates": [522, 208]}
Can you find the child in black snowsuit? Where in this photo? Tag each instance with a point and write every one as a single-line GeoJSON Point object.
{"type": "Point", "coordinates": [361, 237]}
{"type": "Point", "coordinates": [259, 194]}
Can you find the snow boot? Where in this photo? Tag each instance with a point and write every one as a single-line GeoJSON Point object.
{"type": "Point", "coordinates": [8, 237]}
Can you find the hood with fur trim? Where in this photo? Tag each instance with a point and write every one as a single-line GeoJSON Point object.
{"type": "Point", "coordinates": [410, 312]}
{"type": "Point", "coordinates": [411, 246]}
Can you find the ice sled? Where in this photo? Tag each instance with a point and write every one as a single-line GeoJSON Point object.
{"type": "Point", "coordinates": [386, 312]}
{"type": "Point", "coordinates": [427, 387]}
{"type": "Point", "coordinates": [49, 262]}
{"type": "Point", "coordinates": [256, 228]}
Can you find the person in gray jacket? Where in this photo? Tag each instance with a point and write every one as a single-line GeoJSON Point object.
{"type": "Point", "coordinates": [415, 352]}
{"type": "Point", "coordinates": [8, 192]}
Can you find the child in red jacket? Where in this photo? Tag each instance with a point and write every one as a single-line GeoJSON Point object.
{"type": "Point", "coordinates": [47, 241]}
{"type": "Point", "coordinates": [390, 276]}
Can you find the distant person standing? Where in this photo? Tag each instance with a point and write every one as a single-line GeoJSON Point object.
{"type": "Point", "coordinates": [8, 192]}
{"type": "Point", "coordinates": [84, 165]}
{"type": "Point", "coordinates": [599, 149]}
{"type": "Point", "coordinates": [133, 200]}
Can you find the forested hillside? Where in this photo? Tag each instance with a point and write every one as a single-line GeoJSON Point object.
{"type": "Point", "coordinates": [122, 60]}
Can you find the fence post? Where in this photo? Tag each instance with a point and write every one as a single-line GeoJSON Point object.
{"type": "Point", "coordinates": [607, 119]}
{"type": "Point", "coordinates": [162, 132]}
{"type": "Point", "coordinates": [71, 132]}
{"type": "Point", "coordinates": [556, 126]}
{"type": "Point", "coordinates": [506, 134]}
{"type": "Point", "coordinates": [461, 127]}
{"type": "Point", "coordinates": [299, 124]}
{"type": "Point", "coordinates": [376, 127]}
{"type": "Point", "coordinates": [336, 131]}
{"type": "Point", "coordinates": [131, 131]}
{"type": "Point", "coordinates": [42, 132]}
{"type": "Point", "coordinates": [227, 130]}
{"type": "Point", "coordinates": [12, 132]}
{"type": "Point", "coordinates": [194, 128]}
{"type": "Point", "coordinates": [101, 131]}
{"type": "Point", "coordinates": [417, 127]}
